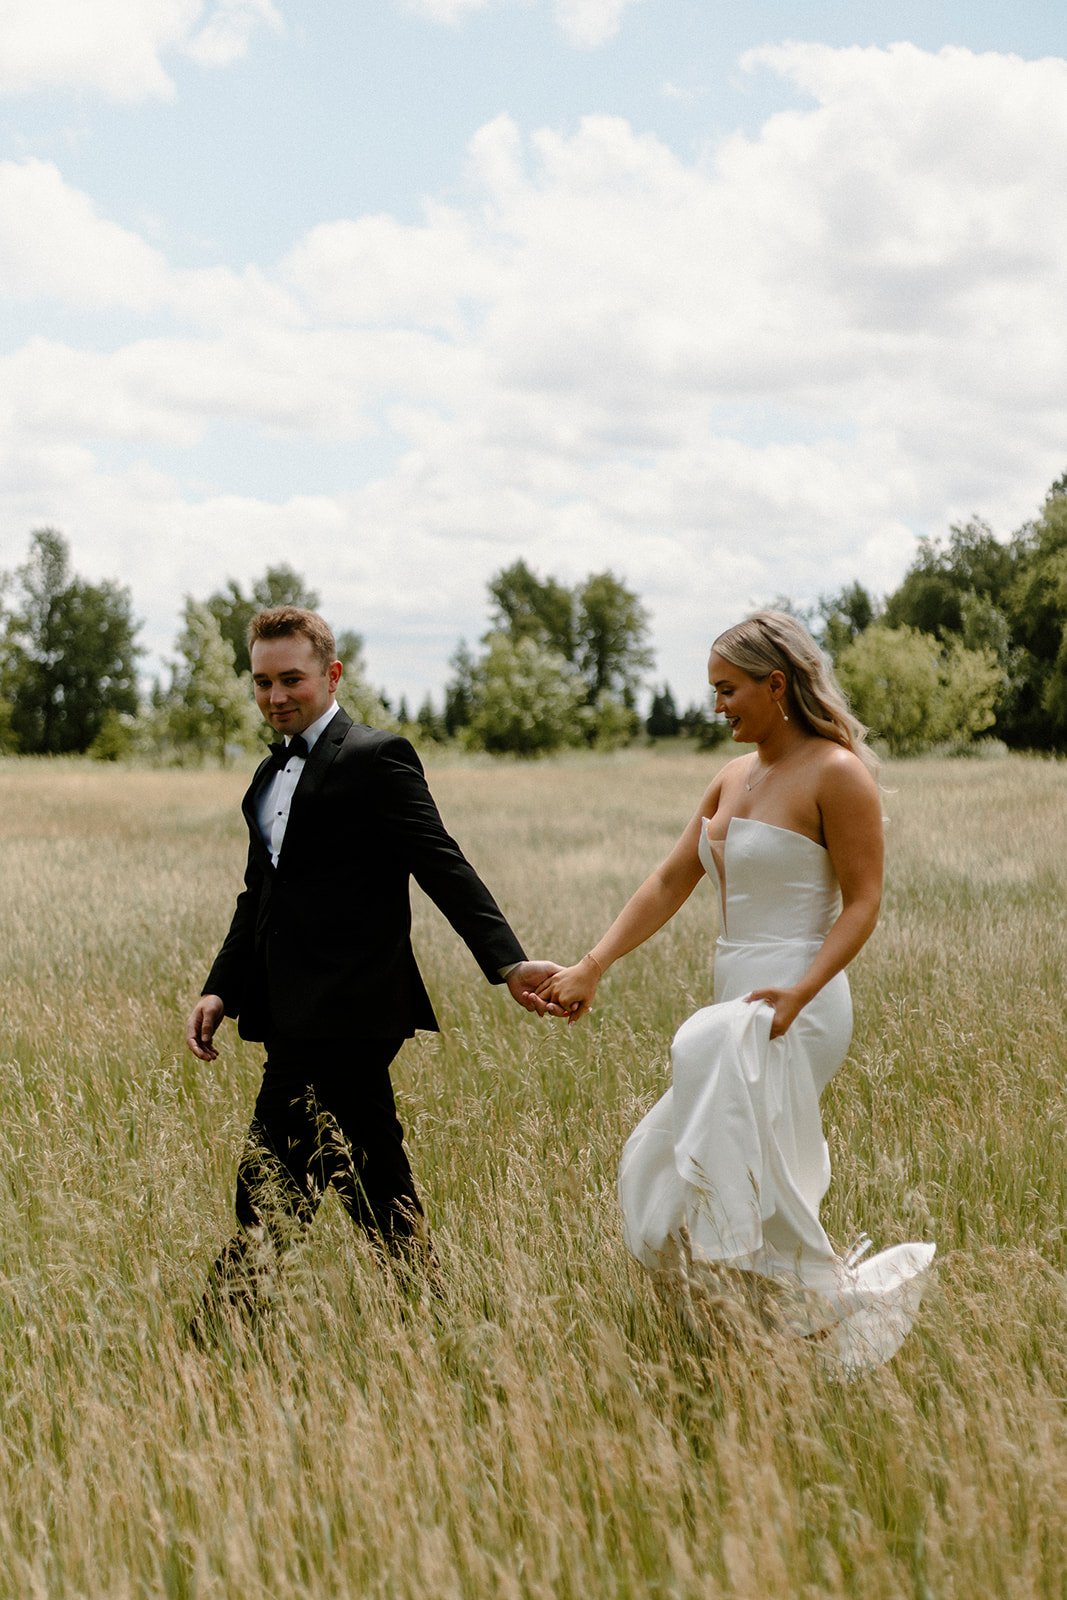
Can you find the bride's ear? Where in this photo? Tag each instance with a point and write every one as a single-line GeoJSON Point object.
{"type": "Point", "coordinates": [776, 683]}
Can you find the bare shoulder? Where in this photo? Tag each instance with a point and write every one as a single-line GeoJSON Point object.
{"type": "Point", "coordinates": [734, 771]}
{"type": "Point", "coordinates": [735, 765]}
{"type": "Point", "coordinates": [843, 780]}
{"type": "Point", "coordinates": [725, 781]}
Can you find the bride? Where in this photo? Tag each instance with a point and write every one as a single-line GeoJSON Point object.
{"type": "Point", "coordinates": [726, 1173]}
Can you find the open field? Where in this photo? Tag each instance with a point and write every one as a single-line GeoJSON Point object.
{"type": "Point", "coordinates": [554, 1430]}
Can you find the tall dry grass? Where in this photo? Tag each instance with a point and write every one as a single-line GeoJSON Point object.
{"type": "Point", "coordinates": [551, 1429]}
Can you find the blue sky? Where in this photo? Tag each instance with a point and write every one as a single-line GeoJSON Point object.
{"type": "Point", "coordinates": [735, 299]}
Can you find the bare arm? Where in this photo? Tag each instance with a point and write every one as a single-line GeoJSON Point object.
{"type": "Point", "coordinates": [852, 827]}
{"type": "Point", "coordinates": [663, 892]}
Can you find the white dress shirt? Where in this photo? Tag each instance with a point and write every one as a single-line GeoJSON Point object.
{"type": "Point", "coordinates": [272, 808]}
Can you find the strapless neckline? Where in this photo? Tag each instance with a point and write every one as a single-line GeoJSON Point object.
{"type": "Point", "coordinates": [756, 822]}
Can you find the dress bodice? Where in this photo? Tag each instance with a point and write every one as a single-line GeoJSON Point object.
{"type": "Point", "coordinates": [776, 885]}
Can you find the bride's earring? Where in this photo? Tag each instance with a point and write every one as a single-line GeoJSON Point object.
{"type": "Point", "coordinates": [782, 709]}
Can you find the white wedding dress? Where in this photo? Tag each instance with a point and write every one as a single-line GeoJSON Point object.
{"type": "Point", "coordinates": [728, 1169]}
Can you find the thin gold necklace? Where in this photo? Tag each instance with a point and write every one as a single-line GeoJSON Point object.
{"type": "Point", "coordinates": [768, 767]}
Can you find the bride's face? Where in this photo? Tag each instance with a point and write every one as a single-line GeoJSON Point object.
{"type": "Point", "coordinates": [745, 702]}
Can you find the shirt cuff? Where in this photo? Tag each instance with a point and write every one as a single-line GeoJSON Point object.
{"type": "Point", "coordinates": [505, 972]}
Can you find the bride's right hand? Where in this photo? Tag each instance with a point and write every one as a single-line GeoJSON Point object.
{"type": "Point", "coordinates": [573, 988]}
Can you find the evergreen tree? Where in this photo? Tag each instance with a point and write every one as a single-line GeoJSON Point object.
{"type": "Point", "coordinates": [430, 723]}
{"type": "Point", "coordinates": [459, 691]}
{"type": "Point", "coordinates": [663, 721]}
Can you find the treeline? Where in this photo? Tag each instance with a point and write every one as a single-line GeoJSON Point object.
{"type": "Point", "coordinates": [972, 645]}
{"type": "Point", "coordinates": [973, 642]}
{"type": "Point", "coordinates": [557, 668]}
{"type": "Point", "coordinates": [68, 666]}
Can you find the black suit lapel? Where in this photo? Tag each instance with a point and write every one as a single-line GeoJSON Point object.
{"type": "Point", "coordinates": [250, 804]}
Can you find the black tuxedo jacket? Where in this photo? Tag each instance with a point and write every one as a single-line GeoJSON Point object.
{"type": "Point", "coordinates": [320, 945]}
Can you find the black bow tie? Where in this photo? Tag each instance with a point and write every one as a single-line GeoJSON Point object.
{"type": "Point", "coordinates": [281, 752]}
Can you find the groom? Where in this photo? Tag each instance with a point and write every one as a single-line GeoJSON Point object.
{"type": "Point", "coordinates": [318, 963]}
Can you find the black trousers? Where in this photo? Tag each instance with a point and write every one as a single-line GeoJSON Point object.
{"type": "Point", "coordinates": [324, 1116]}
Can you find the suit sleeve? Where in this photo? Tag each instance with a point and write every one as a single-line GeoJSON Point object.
{"type": "Point", "coordinates": [231, 972]}
{"type": "Point", "coordinates": [412, 823]}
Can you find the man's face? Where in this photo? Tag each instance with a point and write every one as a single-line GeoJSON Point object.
{"type": "Point", "coordinates": [292, 690]}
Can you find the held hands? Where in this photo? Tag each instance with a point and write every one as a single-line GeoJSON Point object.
{"type": "Point", "coordinates": [570, 992]}
{"type": "Point", "coordinates": [200, 1028]}
{"type": "Point", "coordinates": [785, 1003]}
{"type": "Point", "coordinates": [525, 983]}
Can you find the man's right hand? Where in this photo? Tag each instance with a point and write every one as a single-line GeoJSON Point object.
{"type": "Point", "coordinates": [523, 982]}
{"type": "Point", "coordinates": [200, 1029]}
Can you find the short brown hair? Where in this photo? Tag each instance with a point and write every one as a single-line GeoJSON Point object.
{"type": "Point", "coordinates": [281, 622]}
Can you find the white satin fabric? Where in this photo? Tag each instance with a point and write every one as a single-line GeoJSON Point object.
{"type": "Point", "coordinates": [728, 1169]}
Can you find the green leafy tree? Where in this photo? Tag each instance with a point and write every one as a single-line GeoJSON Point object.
{"type": "Point", "coordinates": [936, 586]}
{"type": "Point", "coordinates": [208, 707]}
{"type": "Point", "coordinates": [597, 633]}
{"type": "Point", "coordinates": [1037, 612]}
{"type": "Point", "coordinates": [117, 737]}
{"type": "Point", "coordinates": [8, 742]}
{"type": "Point", "coordinates": [527, 607]}
{"type": "Point", "coordinates": [233, 610]}
{"type": "Point", "coordinates": [612, 627]}
{"type": "Point", "coordinates": [612, 724]}
{"type": "Point", "coordinates": [69, 652]}
{"type": "Point", "coordinates": [355, 692]}
{"type": "Point", "coordinates": [1000, 600]}
{"type": "Point", "coordinates": [845, 616]}
{"type": "Point", "coordinates": [967, 589]}
{"type": "Point", "coordinates": [528, 700]}
{"type": "Point", "coordinates": [914, 692]}
{"type": "Point", "coordinates": [971, 685]}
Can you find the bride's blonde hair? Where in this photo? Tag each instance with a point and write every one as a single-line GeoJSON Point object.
{"type": "Point", "coordinates": [771, 641]}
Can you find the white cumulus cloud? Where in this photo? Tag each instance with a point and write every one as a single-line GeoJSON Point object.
{"type": "Point", "coordinates": [588, 23]}
{"type": "Point", "coordinates": [754, 373]}
{"type": "Point", "coordinates": [53, 243]}
{"type": "Point", "coordinates": [117, 48]}
{"type": "Point", "coordinates": [583, 23]}
{"type": "Point", "coordinates": [227, 32]}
